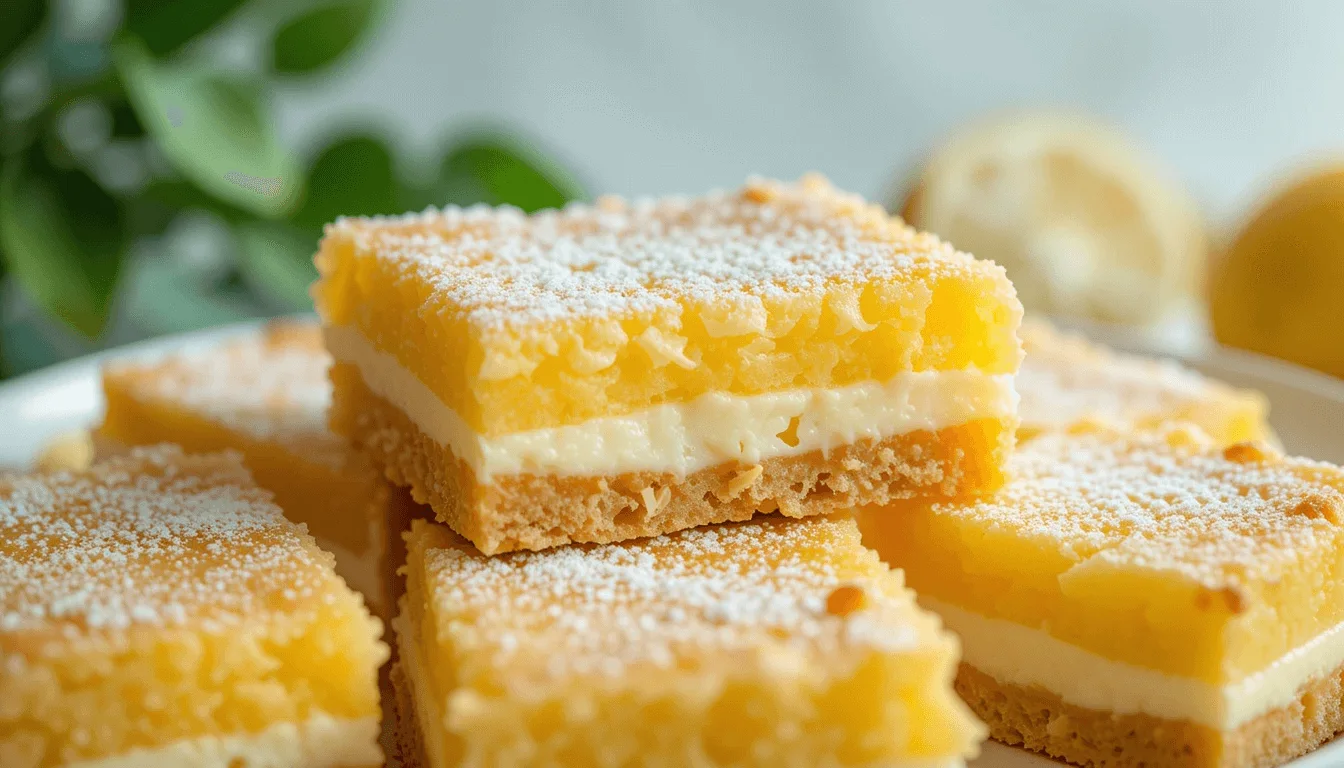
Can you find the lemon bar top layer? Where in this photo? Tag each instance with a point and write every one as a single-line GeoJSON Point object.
{"type": "Point", "coordinates": [158, 597]}
{"type": "Point", "coordinates": [517, 322]}
{"type": "Point", "coordinates": [272, 388]}
{"type": "Point", "coordinates": [156, 539]}
{"type": "Point", "coordinates": [656, 601]}
{"type": "Point", "coordinates": [1162, 550]}
{"type": "Point", "coordinates": [772, 607]}
{"type": "Point", "coordinates": [1066, 380]}
{"type": "Point", "coordinates": [265, 394]}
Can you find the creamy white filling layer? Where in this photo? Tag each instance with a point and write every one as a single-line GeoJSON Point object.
{"type": "Point", "coordinates": [1016, 654]}
{"type": "Point", "coordinates": [319, 742]}
{"type": "Point", "coordinates": [712, 429]}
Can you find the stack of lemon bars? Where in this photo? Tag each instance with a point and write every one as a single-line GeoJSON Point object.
{"type": "Point", "coordinates": [651, 483]}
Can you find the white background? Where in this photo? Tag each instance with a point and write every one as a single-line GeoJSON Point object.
{"type": "Point", "coordinates": [653, 97]}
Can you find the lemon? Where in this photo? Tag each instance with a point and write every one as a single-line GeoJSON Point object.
{"type": "Point", "coordinates": [1086, 224]}
{"type": "Point", "coordinates": [1278, 289]}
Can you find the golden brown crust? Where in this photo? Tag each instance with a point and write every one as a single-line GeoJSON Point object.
{"type": "Point", "coordinates": [1039, 720]}
{"type": "Point", "coordinates": [503, 516]}
{"type": "Point", "coordinates": [409, 750]}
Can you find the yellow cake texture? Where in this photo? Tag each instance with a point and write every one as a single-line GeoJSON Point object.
{"type": "Point", "coordinates": [266, 396]}
{"type": "Point", "coordinates": [1067, 380]}
{"type": "Point", "coordinates": [773, 642]}
{"type": "Point", "coordinates": [1157, 595]}
{"type": "Point", "coordinates": [157, 609]}
{"type": "Point", "coordinates": [638, 367]}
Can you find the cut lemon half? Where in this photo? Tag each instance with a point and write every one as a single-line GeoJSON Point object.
{"type": "Point", "coordinates": [1278, 289]}
{"type": "Point", "coordinates": [1086, 224]}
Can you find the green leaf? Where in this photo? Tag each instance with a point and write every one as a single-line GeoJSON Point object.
{"type": "Point", "coordinates": [499, 169]}
{"type": "Point", "coordinates": [64, 239]}
{"type": "Point", "coordinates": [214, 129]}
{"type": "Point", "coordinates": [165, 26]}
{"type": "Point", "coordinates": [22, 18]}
{"type": "Point", "coordinates": [318, 37]}
{"type": "Point", "coordinates": [352, 176]}
{"type": "Point", "coordinates": [165, 297]}
{"type": "Point", "coordinates": [177, 195]}
{"type": "Point", "coordinates": [277, 262]}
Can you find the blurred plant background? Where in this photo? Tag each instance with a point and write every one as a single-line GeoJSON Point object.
{"type": "Point", "coordinates": [144, 188]}
{"type": "Point", "coordinates": [168, 164]}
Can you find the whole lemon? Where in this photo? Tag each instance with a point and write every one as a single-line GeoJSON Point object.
{"type": "Point", "coordinates": [1278, 289]}
{"type": "Point", "coordinates": [1085, 222]}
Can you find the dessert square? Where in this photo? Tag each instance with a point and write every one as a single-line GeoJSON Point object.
{"type": "Point", "coordinates": [627, 369]}
{"type": "Point", "coordinates": [1066, 380]}
{"type": "Point", "coordinates": [773, 642]}
{"type": "Point", "coordinates": [158, 609]}
{"type": "Point", "coordinates": [267, 397]}
{"type": "Point", "coordinates": [1131, 600]}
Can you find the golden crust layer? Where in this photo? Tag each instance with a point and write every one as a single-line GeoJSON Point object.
{"type": "Point", "coordinates": [502, 516]}
{"type": "Point", "coordinates": [1039, 720]}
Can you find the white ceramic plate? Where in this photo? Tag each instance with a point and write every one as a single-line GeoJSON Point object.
{"type": "Point", "coordinates": [1306, 409]}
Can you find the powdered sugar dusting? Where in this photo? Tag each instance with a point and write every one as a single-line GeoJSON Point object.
{"type": "Point", "coordinates": [154, 538]}
{"type": "Point", "coordinates": [1065, 379]}
{"type": "Point", "coordinates": [674, 599]}
{"type": "Point", "coordinates": [1170, 501]}
{"type": "Point", "coordinates": [502, 268]}
{"type": "Point", "coordinates": [270, 387]}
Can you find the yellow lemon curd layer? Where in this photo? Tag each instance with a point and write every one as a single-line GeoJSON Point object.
{"type": "Point", "coordinates": [157, 598]}
{"type": "Point", "coordinates": [1164, 551]}
{"type": "Point", "coordinates": [1066, 380]}
{"type": "Point", "coordinates": [266, 397]}
{"type": "Point", "coordinates": [771, 642]}
{"type": "Point", "coordinates": [521, 322]}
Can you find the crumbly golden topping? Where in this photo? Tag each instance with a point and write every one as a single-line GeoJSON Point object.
{"type": "Point", "coordinates": [599, 610]}
{"type": "Point", "coordinates": [1066, 379]}
{"type": "Point", "coordinates": [272, 386]}
{"type": "Point", "coordinates": [502, 268]}
{"type": "Point", "coordinates": [152, 538]}
{"type": "Point", "coordinates": [1171, 501]}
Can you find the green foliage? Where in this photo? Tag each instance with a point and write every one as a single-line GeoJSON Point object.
{"type": "Point", "coordinates": [213, 129]}
{"type": "Point", "coordinates": [353, 175]}
{"type": "Point", "coordinates": [163, 26]}
{"type": "Point", "coordinates": [493, 167]}
{"type": "Point", "coordinates": [64, 238]}
{"type": "Point", "coordinates": [315, 39]}
{"type": "Point", "coordinates": [142, 127]}
{"type": "Point", "coordinates": [276, 260]}
{"type": "Point", "coordinates": [22, 18]}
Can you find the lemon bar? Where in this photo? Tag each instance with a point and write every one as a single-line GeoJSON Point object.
{"type": "Point", "coordinates": [1066, 380]}
{"type": "Point", "coordinates": [633, 368]}
{"type": "Point", "coordinates": [772, 642]}
{"type": "Point", "coordinates": [1142, 600]}
{"type": "Point", "coordinates": [157, 609]}
{"type": "Point", "coordinates": [267, 397]}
